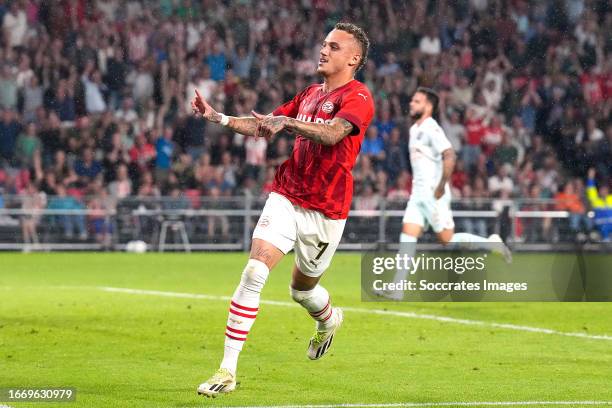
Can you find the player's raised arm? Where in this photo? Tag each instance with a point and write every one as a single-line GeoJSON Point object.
{"type": "Point", "coordinates": [448, 165]}
{"type": "Point", "coordinates": [244, 125]}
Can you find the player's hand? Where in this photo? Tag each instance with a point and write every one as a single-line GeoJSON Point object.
{"type": "Point", "coordinates": [268, 126]}
{"type": "Point", "coordinates": [591, 173]}
{"type": "Point", "coordinates": [200, 106]}
{"type": "Point", "coordinates": [438, 192]}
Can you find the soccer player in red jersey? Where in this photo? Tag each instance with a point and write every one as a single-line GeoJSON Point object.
{"type": "Point", "coordinates": [311, 197]}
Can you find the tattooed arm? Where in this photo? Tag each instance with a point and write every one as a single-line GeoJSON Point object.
{"type": "Point", "coordinates": [322, 133]}
{"type": "Point", "coordinates": [245, 125]}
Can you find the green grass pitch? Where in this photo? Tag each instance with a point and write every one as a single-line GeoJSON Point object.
{"type": "Point", "coordinates": [59, 329]}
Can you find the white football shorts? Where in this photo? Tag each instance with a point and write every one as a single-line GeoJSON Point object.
{"type": "Point", "coordinates": [426, 211]}
{"type": "Point", "coordinates": [312, 235]}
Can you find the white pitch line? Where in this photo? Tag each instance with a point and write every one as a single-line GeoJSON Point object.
{"type": "Point", "coordinates": [411, 315]}
{"type": "Point", "coordinates": [441, 404]}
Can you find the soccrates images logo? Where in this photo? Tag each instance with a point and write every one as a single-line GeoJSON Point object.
{"type": "Point", "coordinates": [464, 275]}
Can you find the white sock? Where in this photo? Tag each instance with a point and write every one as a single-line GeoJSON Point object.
{"type": "Point", "coordinates": [471, 241]}
{"type": "Point", "coordinates": [243, 311]}
{"type": "Point", "coordinates": [318, 303]}
{"type": "Point", "coordinates": [407, 247]}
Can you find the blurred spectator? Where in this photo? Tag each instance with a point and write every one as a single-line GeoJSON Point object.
{"type": "Point", "coordinates": [601, 201]}
{"type": "Point", "coordinates": [101, 208]}
{"type": "Point", "coordinates": [9, 131]}
{"type": "Point", "coordinates": [373, 147]}
{"type": "Point", "coordinates": [368, 200]}
{"type": "Point", "coordinates": [472, 225]}
{"type": "Point", "coordinates": [122, 186]}
{"type": "Point", "coordinates": [28, 147]}
{"type": "Point", "coordinates": [475, 131]}
{"type": "Point", "coordinates": [164, 148]}
{"type": "Point", "coordinates": [94, 89]}
{"type": "Point", "coordinates": [15, 25]}
{"type": "Point", "coordinates": [500, 181]}
{"type": "Point", "coordinates": [68, 222]}
{"type": "Point", "coordinates": [395, 155]}
{"type": "Point", "coordinates": [255, 156]}
{"type": "Point", "coordinates": [506, 152]}
{"type": "Point", "coordinates": [87, 168]}
{"type": "Point", "coordinates": [568, 200]}
{"type": "Point", "coordinates": [453, 128]}
{"type": "Point", "coordinates": [33, 201]}
{"type": "Point", "coordinates": [401, 190]}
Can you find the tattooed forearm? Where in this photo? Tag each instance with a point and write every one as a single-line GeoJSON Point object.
{"type": "Point", "coordinates": [245, 125]}
{"type": "Point", "coordinates": [325, 134]}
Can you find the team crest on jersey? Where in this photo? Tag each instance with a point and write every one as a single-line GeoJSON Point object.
{"type": "Point", "coordinates": [327, 107]}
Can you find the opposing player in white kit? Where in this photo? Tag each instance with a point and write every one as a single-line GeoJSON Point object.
{"type": "Point", "coordinates": [433, 160]}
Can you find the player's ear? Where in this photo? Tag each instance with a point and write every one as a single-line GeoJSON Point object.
{"type": "Point", "coordinates": [354, 61]}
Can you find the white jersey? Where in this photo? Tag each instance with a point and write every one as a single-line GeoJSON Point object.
{"type": "Point", "coordinates": [427, 142]}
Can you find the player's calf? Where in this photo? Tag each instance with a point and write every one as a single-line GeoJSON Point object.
{"type": "Point", "coordinates": [318, 304]}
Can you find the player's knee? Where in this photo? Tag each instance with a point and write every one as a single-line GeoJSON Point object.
{"type": "Point", "coordinates": [299, 296]}
{"type": "Point", "coordinates": [407, 238]}
{"type": "Point", "coordinates": [254, 276]}
{"type": "Point", "coordinates": [445, 237]}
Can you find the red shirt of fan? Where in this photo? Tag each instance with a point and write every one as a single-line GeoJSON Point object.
{"type": "Point", "coordinates": [475, 131]}
{"type": "Point", "coordinates": [318, 177]}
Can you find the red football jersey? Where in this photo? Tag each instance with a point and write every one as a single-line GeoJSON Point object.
{"type": "Point", "coordinates": [319, 177]}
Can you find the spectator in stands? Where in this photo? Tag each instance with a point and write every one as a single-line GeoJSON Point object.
{"type": "Point", "coordinates": [87, 168]}
{"type": "Point", "coordinates": [373, 147]}
{"type": "Point", "coordinates": [453, 128]}
{"type": "Point", "coordinates": [472, 225]}
{"type": "Point", "coordinates": [601, 201]}
{"type": "Point", "coordinates": [506, 152]}
{"type": "Point", "coordinates": [9, 131]}
{"type": "Point", "coordinates": [164, 150]}
{"type": "Point", "coordinates": [568, 200]}
{"type": "Point", "coordinates": [255, 156]}
{"type": "Point", "coordinates": [501, 181]}
{"type": "Point", "coordinates": [401, 190]}
{"type": "Point", "coordinates": [28, 147]}
{"type": "Point", "coordinates": [94, 90]}
{"type": "Point", "coordinates": [213, 220]}
{"type": "Point", "coordinates": [368, 201]}
{"type": "Point", "coordinates": [142, 153]}
{"type": "Point", "coordinates": [101, 208]}
{"type": "Point", "coordinates": [475, 131]}
{"type": "Point", "coordinates": [15, 25]}
{"type": "Point", "coordinates": [8, 88]}
{"type": "Point", "coordinates": [63, 171]}
{"type": "Point", "coordinates": [68, 222]}
{"type": "Point", "coordinates": [396, 155]}
{"type": "Point", "coordinates": [33, 201]}
{"type": "Point", "coordinates": [122, 186]}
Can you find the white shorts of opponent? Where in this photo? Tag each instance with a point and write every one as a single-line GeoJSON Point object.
{"type": "Point", "coordinates": [426, 210]}
{"type": "Point", "coordinates": [312, 235]}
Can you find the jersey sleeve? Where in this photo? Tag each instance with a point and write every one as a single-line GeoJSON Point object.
{"type": "Point", "coordinates": [439, 141]}
{"type": "Point", "coordinates": [291, 108]}
{"type": "Point", "coordinates": [358, 108]}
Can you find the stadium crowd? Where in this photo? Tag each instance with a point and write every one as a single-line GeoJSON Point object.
{"type": "Point", "coordinates": [95, 96]}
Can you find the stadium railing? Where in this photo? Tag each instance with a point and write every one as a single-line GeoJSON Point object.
{"type": "Point", "coordinates": [227, 223]}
